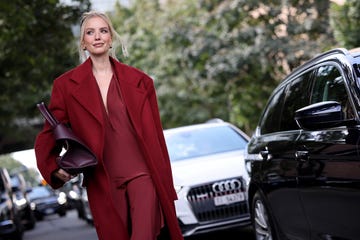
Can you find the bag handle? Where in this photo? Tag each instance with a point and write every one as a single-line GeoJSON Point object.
{"type": "Point", "coordinates": [47, 114]}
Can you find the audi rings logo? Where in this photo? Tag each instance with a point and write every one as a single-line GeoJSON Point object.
{"type": "Point", "coordinates": [227, 185]}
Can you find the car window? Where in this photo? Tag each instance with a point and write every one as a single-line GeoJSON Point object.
{"type": "Point", "coordinates": [2, 185]}
{"type": "Point", "coordinates": [297, 96]}
{"type": "Point", "coordinates": [39, 192]}
{"type": "Point", "coordinates": [15, 181]}
{"type": "Point", "coordinates": [270, 121]}
{"type": "Point", "coordinates": [202, 142]}
{"type": "Point", "coordinates": [329, 86]}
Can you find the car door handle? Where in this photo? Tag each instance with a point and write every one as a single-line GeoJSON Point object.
{"type": "Point", "coordinates": [302, 156]}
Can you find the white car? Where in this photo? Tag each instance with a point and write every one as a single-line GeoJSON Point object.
{"type": "Point", "coordinates": [209, 175]}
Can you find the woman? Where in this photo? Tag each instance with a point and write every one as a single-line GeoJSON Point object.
{"type": "Point", "coordinates": [112, 107]}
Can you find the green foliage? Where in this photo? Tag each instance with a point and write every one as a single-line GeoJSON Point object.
{"type": "Point", "coordinates": [209, 58]}
{"type": "Point", "coordinates": [220, 59]}
{"type": "Point", "coordinates": [13, 166]}
{"type": "Point", "coordinates": [37, 45]}
{"type": "Point", "coordinates": [6, 161]}
{"type": "Point", "coordinates": [345, 20]}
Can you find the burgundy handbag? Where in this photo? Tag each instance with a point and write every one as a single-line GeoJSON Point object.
{"type": "Point", "coordinates": [78, 157]}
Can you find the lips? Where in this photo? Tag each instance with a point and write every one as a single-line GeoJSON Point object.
{"type": "Point", "coordinates": [98, 44]}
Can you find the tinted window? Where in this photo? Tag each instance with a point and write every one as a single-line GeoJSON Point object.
{"type": "Point", "coordinates": [203, 141]}
{"type": "Point", "coordinates": [329, 86]}
{"type": "Point", "coordinates": [2, 185]}
{"type": "Point", "coordinates": [15, 182]}
{"type": "Point", "coordinates": [270, 121]}
{"type": "Point", "coordinates": [297, 96]}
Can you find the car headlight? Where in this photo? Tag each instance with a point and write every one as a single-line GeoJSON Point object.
{"type": "Point", "coordinates": [61, 198]}
{"type": "Point", "coordinates": [20, 202]}
{"type": "Point", "coordinates": [33, 206]}
{"type": "Point", "coordinates": [74, 195]}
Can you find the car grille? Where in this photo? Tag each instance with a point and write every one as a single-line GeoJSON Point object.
{"type": "Point", "coordinates": [202, 202]}
{"type": "Point", "coordinates": [43, 206]}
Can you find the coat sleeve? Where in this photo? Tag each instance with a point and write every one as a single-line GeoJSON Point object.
{"type": "Point", "coordinates": [45, 147]}
{"type": "Point", "coordinates": [159, 129]}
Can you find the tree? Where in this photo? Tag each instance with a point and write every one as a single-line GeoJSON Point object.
{"type": "Point", "coordinates": [221, 59]}
{"type": "Point", "coordinates": [37, 45]}
{"type": "Point", "coordinates": [345, 20]}
{"type": "Point", "coordinates": [13, 166]}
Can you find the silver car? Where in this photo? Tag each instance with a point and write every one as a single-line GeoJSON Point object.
{"type": "Point", "coordinates": [209, 176]}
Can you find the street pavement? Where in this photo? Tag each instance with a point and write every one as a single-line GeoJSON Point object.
{"type": "Point", "coordinates": [71, 227]}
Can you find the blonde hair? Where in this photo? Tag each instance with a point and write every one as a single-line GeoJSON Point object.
{"type": "Point", "coordinates": [116, 40]}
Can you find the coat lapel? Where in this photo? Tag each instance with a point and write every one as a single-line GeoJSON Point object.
{"type": "Point", "coordinates": [134, 96]}
{"type": "Point", "coordinates": [87, 92]}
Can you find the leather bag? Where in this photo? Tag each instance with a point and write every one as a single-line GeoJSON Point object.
{"type": "Point", "coordinates": [77, 158]}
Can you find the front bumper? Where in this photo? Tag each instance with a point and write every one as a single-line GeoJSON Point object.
{"type": "Point", "coordinates": [198, 212]}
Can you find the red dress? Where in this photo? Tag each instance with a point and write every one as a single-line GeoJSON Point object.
{"type": "Point", "coordinates": [131, 184]}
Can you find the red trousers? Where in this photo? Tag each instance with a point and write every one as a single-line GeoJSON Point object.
{"type": "Point", "coordinates": [139, 207]}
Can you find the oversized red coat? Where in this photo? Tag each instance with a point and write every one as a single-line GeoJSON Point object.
{"type": "Point", "coordinates": [75, 100]}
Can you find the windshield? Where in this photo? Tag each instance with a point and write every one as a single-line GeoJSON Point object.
{"type": "Point", "coordinates": [202, 142]}
{"type": "Point", "coordinates": [39, 192]}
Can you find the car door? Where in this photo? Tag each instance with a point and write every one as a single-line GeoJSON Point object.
{"type": "Point", "coordinates": [329, 165]}
{"type": "Point", "coordinates": [277, 146]}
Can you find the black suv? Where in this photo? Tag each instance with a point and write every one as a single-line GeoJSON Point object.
{"type": "Point", "coordinates": [10, 222]}
{"type": "Point", "coordinates": [304, 154]}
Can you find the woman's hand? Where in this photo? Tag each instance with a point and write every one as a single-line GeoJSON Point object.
{"type": "Point", "coordinates": [62, 175]}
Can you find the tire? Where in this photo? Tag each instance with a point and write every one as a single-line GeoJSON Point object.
{"type": "Point", "coordinates": [261, 220]}
{"type": "Point", "coordinates": [19, 230]}
{"type": "Point", "coordinates": [31, 220]}
{"type": "Point", "coordinates": [80, 210]}
{"type": "Point", "coordinates": [62, 213]}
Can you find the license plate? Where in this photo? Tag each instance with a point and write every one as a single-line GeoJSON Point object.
{"type": "Point", "coordinates": [49, 211]}
{"type": "Point", "coordinates": [229, 199]}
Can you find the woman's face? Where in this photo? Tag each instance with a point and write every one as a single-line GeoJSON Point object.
{"type": "Point", "coordinates": [97, 37]}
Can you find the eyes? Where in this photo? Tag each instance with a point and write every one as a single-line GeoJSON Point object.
{"type": "Point", "coordinates": [91, 31]}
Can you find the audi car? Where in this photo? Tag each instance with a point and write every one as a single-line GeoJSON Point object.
{"type": "Point", "coordinates": [209, 175]}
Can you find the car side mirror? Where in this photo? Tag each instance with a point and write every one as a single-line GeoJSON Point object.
{"type": "Point", "coordinates": [320, 115]}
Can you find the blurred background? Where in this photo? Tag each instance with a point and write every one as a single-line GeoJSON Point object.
{"type": "Point", "coordinates": [208, 58]}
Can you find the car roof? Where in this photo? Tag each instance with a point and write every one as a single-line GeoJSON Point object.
{"type": "Point", "coordinates": [355, 52]}
{"type": "Point", "coordinates": [195, 126]}
{"type": "Point", "coordinates": [350, 54]}
{"type": "Point", "coordinates": [208, 124]}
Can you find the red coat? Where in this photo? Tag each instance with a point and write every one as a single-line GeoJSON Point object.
{"type": "Point", "coordinates": [75, 100]}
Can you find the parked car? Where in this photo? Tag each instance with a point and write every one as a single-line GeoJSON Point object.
{"type": "Point", "coordinates": [21, 200]}
{"type": "Point", "coordinates": [209, 176]}
{"type": "Point", "coordinates": [45, 201]}
{"type": "Point", "coordinates": [304, 153]}
{"type": "Point", "coordinates": [87, 216]}
{"type": "Point", "coordinates": [10, 223]}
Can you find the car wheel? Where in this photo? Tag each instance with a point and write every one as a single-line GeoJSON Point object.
{"type": "Point", "coordinates": [80, 210]}
{"type": "Point", "coordinates": [261, 219]}
{"type": "Point", "coordinates": [39, 217]}
{"type": "Point", "coordinates": [62, 213]}
{"type": "Point", "coordinates": [31, 220]}
{"type": "Point", "coordinates": [19, 231]}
